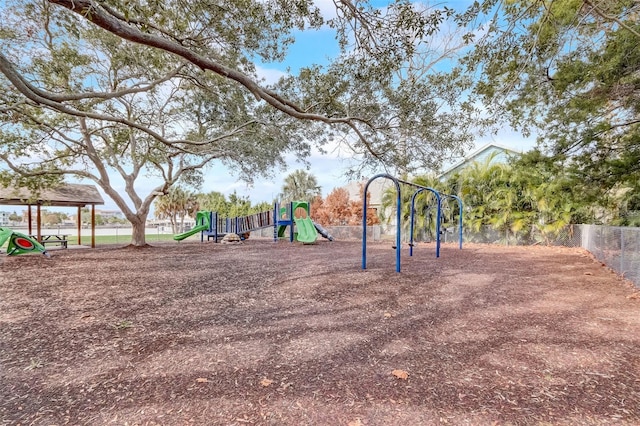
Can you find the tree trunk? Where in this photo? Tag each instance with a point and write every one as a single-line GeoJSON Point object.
{"type": "Point", "coordinates": [138, 233]}
{"type": "Point", "coordinates": [138, 219]}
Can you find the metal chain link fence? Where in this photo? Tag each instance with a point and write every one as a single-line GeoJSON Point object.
{"type": "Point", "coordinates": [617, 247]}
{"type": "Point", "coordinates": [567, 237]}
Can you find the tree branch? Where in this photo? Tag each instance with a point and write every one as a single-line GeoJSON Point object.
{"type": "Point", "coordinates": [104, 95]}
{"type": "Point", "coordinates": [93, 12]}
{"type": "Point", "coordinates": [41, 97]}
{"type": "Point", "coordinates": [610, 18]}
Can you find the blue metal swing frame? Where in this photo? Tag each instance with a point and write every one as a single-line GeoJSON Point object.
{"type": "Point", "coordinates": [420, 189]}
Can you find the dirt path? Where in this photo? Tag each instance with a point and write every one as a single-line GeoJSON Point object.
{"type": "Point", "coordinates": [264, 333]}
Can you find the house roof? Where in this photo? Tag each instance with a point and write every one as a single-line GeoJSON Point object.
{"type": "Point", "coordinates": [478, 155]}
{"type": "Point", "coordinates": [69, 195]}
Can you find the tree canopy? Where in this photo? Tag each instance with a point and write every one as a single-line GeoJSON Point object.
{"type": "Point", "coordinates": [569, 70]}
{"type": "Point", "coordinates": [164, 88]}
{"type": "Point", "coordinates": [338, 210]}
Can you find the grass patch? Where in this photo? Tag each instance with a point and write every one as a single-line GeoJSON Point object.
{"type": "Point", "coordinates": [118, 239]}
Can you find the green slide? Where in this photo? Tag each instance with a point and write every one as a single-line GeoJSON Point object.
{"type": "Point", "coordinates": [192, 231]}
{"type": "Point", "coordinates": [202, 217]}
{"type": "Point", "coordinates": [306, 230]}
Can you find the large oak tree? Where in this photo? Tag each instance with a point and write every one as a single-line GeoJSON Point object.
{"type": "Point", "coordinates": [164, 88]}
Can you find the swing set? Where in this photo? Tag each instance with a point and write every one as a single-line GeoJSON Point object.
{"type": "Point", "coordinates": [440, 197]}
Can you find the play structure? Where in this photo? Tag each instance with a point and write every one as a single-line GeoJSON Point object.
{"type": "Point", "coordinates": [20, 243]}
{"type": "Point", "coordinates": [293, 216]}
{"type": "Point", "coordinates": [419, 189]}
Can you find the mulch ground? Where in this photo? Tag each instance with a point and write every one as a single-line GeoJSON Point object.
{"type": "Point", "coordinates": [291, 334]}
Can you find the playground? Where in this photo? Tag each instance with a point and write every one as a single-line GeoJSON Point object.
{"type": "Point", "coordinates": [291, 333]}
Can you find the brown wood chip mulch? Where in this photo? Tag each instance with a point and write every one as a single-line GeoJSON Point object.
{"type": "Point", "coordinates": [287, 334]}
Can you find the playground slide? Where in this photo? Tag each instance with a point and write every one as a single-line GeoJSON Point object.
{"type": "Point", "coordinates": [189, 233]}
{"type": "Point", "coordinates": [322, 231]}
{"type": "Point", "coordinates": [306, 231]}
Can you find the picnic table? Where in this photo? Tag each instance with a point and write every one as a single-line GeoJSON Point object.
{"type": "Point", "coordinates": [56, 239]}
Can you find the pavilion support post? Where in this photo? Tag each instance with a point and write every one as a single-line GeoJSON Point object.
{"type": "Point", "coordinates": [30, 219]}
{"type": "Point", "coordinates": [79, 225]}
{"type": "Point", "coordinates": [93, 226]}
{"type": "Point", "coordinates": [39, 223]}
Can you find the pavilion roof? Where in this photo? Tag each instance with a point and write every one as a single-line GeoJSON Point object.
{"type": "Point", "coordinates": [68, 195]}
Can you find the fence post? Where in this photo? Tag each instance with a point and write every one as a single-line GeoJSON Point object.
{"type": "Point", "coordinates": [622, 251]}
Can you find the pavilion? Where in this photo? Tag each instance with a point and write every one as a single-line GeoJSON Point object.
{"type": "Point", "coordinates": [68, 195]}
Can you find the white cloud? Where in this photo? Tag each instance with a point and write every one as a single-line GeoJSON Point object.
{"type": "Point", "coordinates": [327, 8]}
{"type": "Point", "coordinates": [270, 75]}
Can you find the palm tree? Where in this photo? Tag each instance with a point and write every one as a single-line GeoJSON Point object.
{"type": "Point", "coordinates": [300, 186]}
{"type": "Point", "coordinates": [487, 194]}
{"type": "Point", "coordinates": [529, 199]}
{"type": "Point", "coordinates": [425, 206]}
{"type": "Point", "coordinates": [549, 194]}
{"type": "Point", "coordinates": [176, 204]}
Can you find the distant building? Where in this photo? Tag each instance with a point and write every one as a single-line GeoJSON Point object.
{"type": "Point", "coordinates": [4, 219]}
{"type": "Point", "coordinates": [107, 214]}
{"type": "Point", "coordinates": [500, 154]}
{"type": "Point", "coordinates": [376, 190]}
